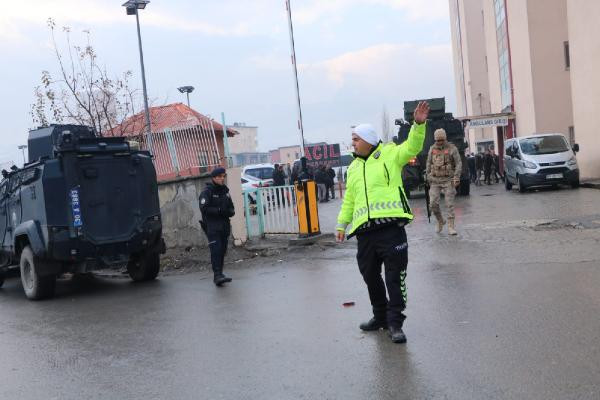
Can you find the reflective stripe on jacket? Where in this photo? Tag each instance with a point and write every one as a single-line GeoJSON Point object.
{"type": "Point", "coordinates": [374, 186]}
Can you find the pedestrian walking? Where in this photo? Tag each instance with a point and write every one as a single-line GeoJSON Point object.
{"type": "Point", "coordinates": [278, 180]}
{"type": "Point", "coordinates": [331, 182]}
{"type": "Point", "coordinates": [479, 168]}
{"type": "Point", "coordinates": [497, 172]}
{"type": "Point", "coordinates": [321, 179]}
{"type": "Point", "coordinates": [443, 175]}
{"type": "Point", "coordinates": [216, 207]}
{"type": "Point", "coordinates": [488, 162]}
{"type": "Point", "coordinates": [278, 176]}
{"type": "Point", "coordinates": [376, 206]}
{"type": "Point", "coordinates": [472, 168]}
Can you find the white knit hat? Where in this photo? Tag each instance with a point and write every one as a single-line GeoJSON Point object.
{"type": "Point", "coordinates": [367, 133]}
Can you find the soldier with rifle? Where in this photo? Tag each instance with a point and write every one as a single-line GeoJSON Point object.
{"type": "Point", "coordinates": [443, 175]}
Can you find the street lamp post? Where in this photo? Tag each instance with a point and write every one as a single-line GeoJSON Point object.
{"type": "Point", "coordinates": [132, 7]}
{"type": "Point", "coordinates": [22, 147]}
{"type": "Point", "coordinates": [187, 90]}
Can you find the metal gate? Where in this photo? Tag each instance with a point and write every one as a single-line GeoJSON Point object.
{"type": "Point", "coordinates": [271, 210]}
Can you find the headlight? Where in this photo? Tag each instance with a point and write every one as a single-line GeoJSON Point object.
{"type": "Point", "coordinates": [572, 161]}
{"type": "Point", "coordinates": [529, 165]}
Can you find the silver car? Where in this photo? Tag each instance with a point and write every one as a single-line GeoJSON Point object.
{"type": "Point", "coordinates": [540, 160]}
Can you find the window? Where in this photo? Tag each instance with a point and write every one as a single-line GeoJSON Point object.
{"type": "Point", "coordinates": [572, 135]}
{"type": "Point", "coordinates": [543, 145]}
{"type": "Point", "coordinates": [503, 62]}
{"type": "Point", "coordinates": [260, 173]}
{"type": "Point", "coordinates": [567, 55]}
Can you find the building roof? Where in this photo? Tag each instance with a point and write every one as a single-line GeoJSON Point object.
{"type": "Point", "coordinates": [169, 116]}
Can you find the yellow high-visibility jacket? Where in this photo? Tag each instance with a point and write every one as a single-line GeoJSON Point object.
{"type": "Point", "coordinates": [374, 186]}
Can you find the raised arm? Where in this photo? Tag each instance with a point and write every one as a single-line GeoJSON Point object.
{"type": "Point", "coordinates": [414, 143]}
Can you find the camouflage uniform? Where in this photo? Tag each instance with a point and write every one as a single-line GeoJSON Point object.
{"type": "Point", "coordinates": [443, 174]}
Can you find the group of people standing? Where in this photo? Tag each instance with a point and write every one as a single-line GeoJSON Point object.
{"type": "Point", "coordinates": [484, 167]}
{"type": "Point", "coordinates": [324, 177]}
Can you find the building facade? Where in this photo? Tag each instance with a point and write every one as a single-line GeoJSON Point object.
{"type": "Point", "coordinates": [534, 61]}
{"type": "Point", "coordinates": [246, 141]}
{"type": "Point", "coordinates": [243, 159]}
{"type": "Point", "coordinates": [285, 155]}
{"type": "Point", "coordinates": [584, 64]}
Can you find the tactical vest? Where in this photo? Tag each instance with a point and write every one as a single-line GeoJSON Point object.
{"type": "Point", "coordinates": [442, 163]}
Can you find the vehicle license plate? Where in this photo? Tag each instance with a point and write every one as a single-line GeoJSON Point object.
{"type": "Point", "coordinates": [554, 176]}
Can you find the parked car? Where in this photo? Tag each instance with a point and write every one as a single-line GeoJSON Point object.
{"type": "Point", "coordinates": [249, 183]}
{"type": "Point", "coordinates": [263, 173]}
{"type": "Point", "coordinates": [540, 160]}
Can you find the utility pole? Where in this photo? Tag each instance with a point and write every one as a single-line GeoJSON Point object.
{"type": "Point", "coordinates": [295, 69]}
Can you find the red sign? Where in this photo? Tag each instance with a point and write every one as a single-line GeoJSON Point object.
{"type": "Point", "coordinates": [323, 154]}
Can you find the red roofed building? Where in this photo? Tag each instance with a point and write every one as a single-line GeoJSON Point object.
{"type": "Point", "coordinates": [183, 141]}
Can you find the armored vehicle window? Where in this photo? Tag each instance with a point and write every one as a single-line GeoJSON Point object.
{"type": "Point", "coordinates": [29, 175]}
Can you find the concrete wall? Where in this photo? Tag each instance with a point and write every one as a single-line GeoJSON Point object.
{"type": "Point", "coordinates": [456, 24]}
{"type": "Point", "coordinates": [491, 57]}
{"type": "Point", "coordinates": [472, 53]}
{"type": "Point", "coordinates": [584, 31]}
{"type": "Point", "coordinates": [180, 211]}
{"type": "Point", "coordinates": [551, 80]}
{"type": "Point", "coordinates": [520, 48]}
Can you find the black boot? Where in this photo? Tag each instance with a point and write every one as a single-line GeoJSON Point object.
{"type": "Point", "coordinates": [220, 279]}
{"type": "Point", "coordinates": [397, 335]}
{"type": "Point", "coordinates": [373, 325]}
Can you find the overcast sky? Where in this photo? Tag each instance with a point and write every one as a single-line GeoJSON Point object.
{"type": "Point", "coordinates": [354, 56]}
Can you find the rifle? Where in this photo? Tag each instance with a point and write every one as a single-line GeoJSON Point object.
{"type": "Point", "coordinates": [427, 200]}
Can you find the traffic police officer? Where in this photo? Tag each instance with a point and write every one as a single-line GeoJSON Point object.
{"type": "Point", "coordinates": [216, 207]}
{"type": "Point", "coordinates": [376, 206]}
{"type": "Point", "coordinates": [443, 175]}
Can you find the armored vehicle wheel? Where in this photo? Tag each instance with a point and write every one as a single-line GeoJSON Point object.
{"type": "Point", "coordinates": [575, 184]}
{"type": "Point", "coordinates": [36, 287]}
{"type": "Point", "coordinates": [143, 267]}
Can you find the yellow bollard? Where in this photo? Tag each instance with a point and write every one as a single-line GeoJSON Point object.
{"type": "Point", "coordinates": [308, 213]}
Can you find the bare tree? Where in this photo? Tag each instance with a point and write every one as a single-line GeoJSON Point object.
{"type": "Point", "coordinates": [385, 126]}
{"type": "Point", "coordinates": [84, 93]}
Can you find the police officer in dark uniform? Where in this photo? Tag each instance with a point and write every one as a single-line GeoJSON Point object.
{"type": "Point", "coordinates": [216, 208]}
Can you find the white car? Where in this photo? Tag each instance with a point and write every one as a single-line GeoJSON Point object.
{"type": "Point", "coordinates": [262, 173]}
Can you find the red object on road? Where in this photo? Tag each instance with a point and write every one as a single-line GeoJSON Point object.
{"type": "Point", "coordinates": [348, 304]}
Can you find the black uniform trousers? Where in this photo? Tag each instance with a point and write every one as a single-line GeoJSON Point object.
{"type": "Point", "coordinates": [387, 245]}
{"type": "Point", "coordinates": [217, 242]}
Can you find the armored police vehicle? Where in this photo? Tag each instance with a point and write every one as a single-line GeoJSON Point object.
{"type": "Point", "coordinates": [413, 174]}
{"type": "Point", "coordinates": [82, 203]}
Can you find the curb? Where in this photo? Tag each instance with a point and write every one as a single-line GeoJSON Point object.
{"type": "Point", "coordinates": [311, 239]}
{"type": "Point", "coordinates": [590, 185]}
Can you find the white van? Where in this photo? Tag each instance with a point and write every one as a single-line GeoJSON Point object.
{"type": "Point", "coordinates": [540, 160]}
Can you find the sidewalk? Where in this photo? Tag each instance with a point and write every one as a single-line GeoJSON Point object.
{"type": "Point", "coordinates": [594, 184]}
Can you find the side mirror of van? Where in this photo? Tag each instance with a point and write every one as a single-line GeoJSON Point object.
{"type": "Point", "coordinates": [575, 147]}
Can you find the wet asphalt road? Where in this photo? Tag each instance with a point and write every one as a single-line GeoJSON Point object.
{"type": "Point", "coordinates": [507, 310]}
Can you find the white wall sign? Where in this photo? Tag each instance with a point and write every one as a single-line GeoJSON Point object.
{"type": "Point", "coordinates": [487, 122]}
